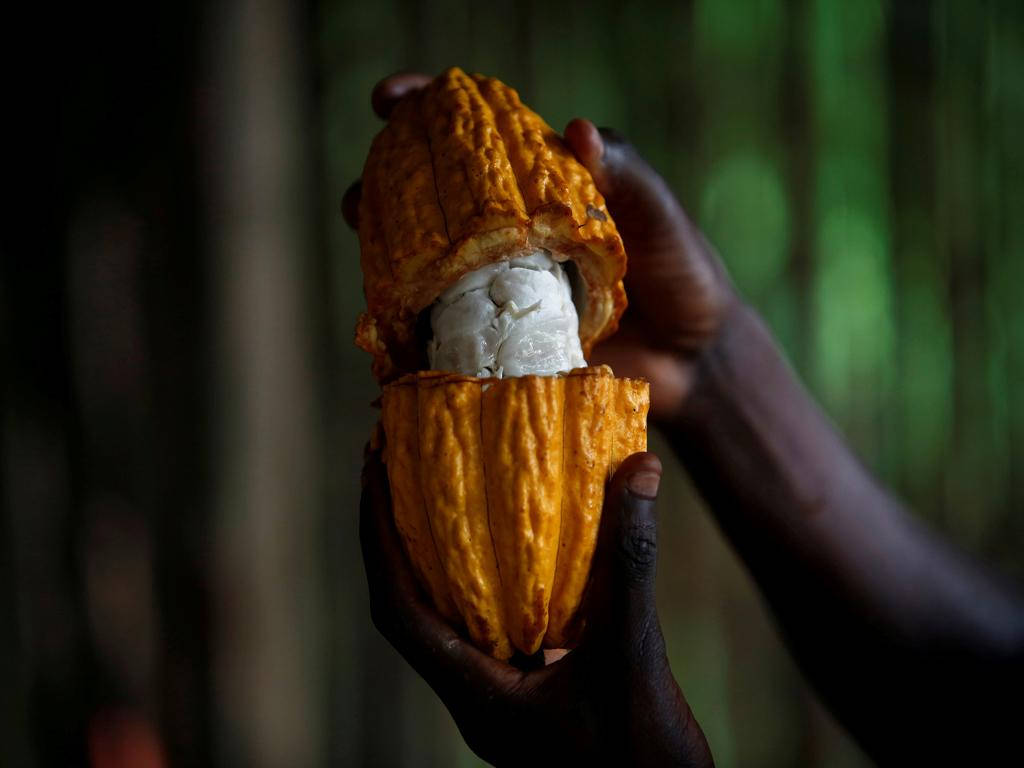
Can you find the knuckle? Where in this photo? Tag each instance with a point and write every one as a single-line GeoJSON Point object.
{"type": "Point", "coordinates": [638, 549]}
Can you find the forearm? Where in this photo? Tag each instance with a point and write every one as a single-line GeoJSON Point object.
{"type": "Point", "coordinates": [871, 603]}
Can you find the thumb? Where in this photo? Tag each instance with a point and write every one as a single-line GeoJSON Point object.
{"type": "Point", "coordinates": [628, 647]}
{"type": "Point", "coordinates": [625, 616]}
{"type": "Point", "coordinates": [641, 202]}
{"type": "Point", "coordinates": [671, 264]}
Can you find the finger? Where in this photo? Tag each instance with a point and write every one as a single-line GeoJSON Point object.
{"type": "Point", "coordinates": [675, 281]}
{"type": "Point", "coordinates": [350, 203]}
{"type": "Point", "coordinates": [391, 90]}
{"type": "Point", "coordinates": [622, 597]}
{"type": "Point", "coordinates": [634, 191]}
{"type": "Point", "coordinates": [627, 641]}
{"type": "Point", "coordinates": [450, 665]}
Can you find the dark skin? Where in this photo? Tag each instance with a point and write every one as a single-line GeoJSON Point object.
{"type": "Point", "coordinates": [613, 700]}
{"type": "Point", "coordinates": [915, 648]}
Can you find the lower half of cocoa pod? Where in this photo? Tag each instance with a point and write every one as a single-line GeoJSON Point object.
{"type": "Point", "coordinates": [497, 487]}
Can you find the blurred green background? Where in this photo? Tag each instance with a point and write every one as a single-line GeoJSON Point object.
{"type": "Point", "coordinates": [184, 412]}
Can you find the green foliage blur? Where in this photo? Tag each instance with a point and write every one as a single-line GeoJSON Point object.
{"type": "Point", "coordinates": [858, 165]}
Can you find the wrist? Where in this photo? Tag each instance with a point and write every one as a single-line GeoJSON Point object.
{"type": "Point", "coordinates": [741, 344]}
{"type": "Point", "coordinates": [751, 437]}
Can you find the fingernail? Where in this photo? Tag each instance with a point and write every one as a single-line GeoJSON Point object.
{"type": "Point", "coordinates": [644, 484]}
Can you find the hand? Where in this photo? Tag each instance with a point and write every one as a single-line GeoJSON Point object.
{"type": "Point", "coordinates": [611, 701]}
{"type": "Point", "coordinates": [678, 290]}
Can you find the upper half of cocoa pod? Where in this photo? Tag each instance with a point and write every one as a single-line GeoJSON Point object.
{"type": "Point", "coordinates": [464, 175]}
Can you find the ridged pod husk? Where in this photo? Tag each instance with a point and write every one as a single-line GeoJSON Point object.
{"type": "Point", "coordinates": [497, 487]}
{"type": "Point", "coordinates": [464, 175]}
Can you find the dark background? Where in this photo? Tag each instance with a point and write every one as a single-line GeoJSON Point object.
{"type": "Point", "coordinates": [184, 411]}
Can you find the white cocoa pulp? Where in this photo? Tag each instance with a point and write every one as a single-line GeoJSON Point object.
{"type": "Point", "coordinates": [512, 318]}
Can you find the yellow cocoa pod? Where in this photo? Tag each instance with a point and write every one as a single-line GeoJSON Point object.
{"type": "Point", "coordinates": [464, 175]}
{"type": "Point", "coordinates": [400, 419]}
{"type": "Point", "coordinates": [451, 474]}
{"type": "Point", "coordinates": [497, 484]}
{"type": "Point", "coordinates": [509, 476]}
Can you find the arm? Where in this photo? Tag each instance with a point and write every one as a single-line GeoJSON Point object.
{"type": "Point", "coordinates": [905, 639]}
{"type": "Point", "coordinates": [902, 637]}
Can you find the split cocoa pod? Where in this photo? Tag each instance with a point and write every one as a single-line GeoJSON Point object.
{"type": "Point", "coordinates": [497, 487]}
{"type": "Point", "coordinates": [497, 484]}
